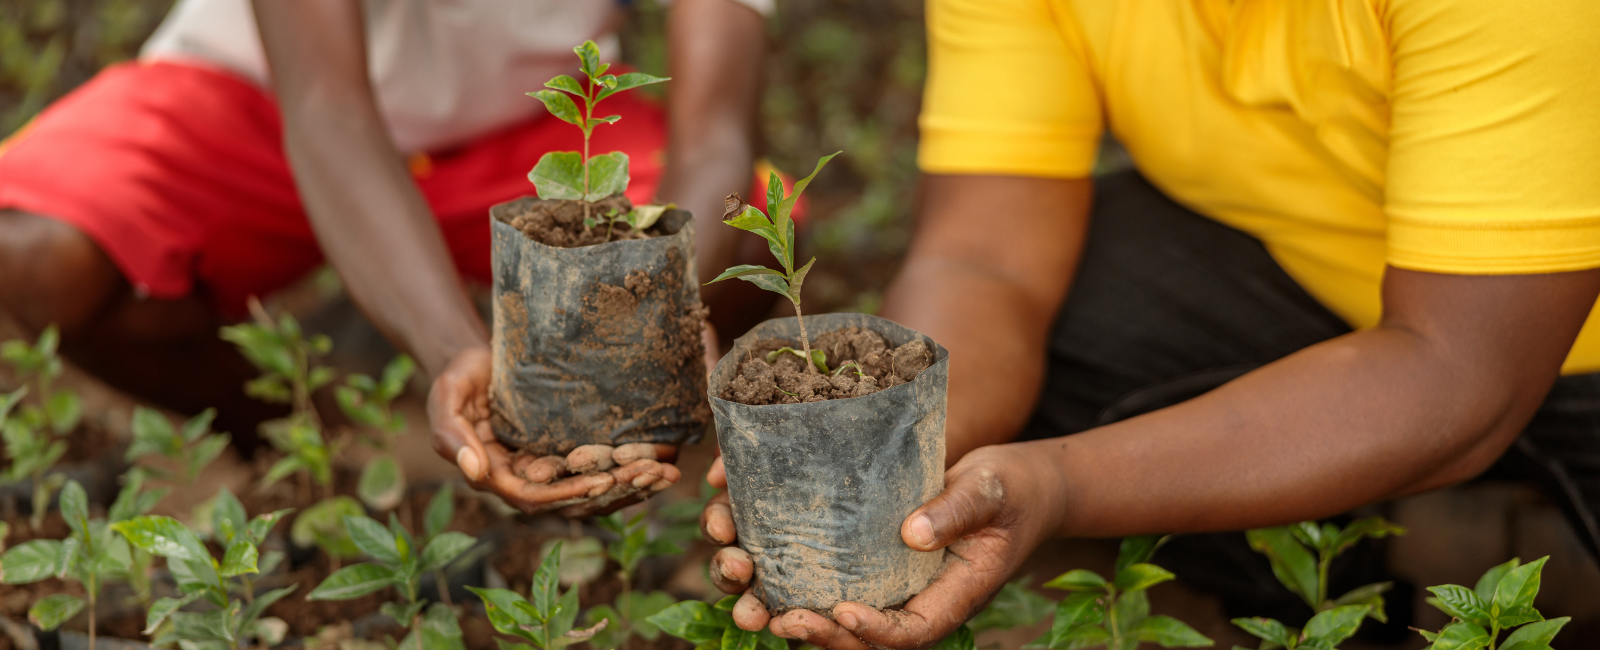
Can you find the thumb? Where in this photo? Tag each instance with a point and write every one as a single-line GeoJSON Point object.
{"type": "Point", "coordinates": [454, 436]}
{"type": "Point", "coordinates": [970, 501]}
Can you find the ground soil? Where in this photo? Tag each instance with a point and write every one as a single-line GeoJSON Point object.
{"type": "Point", "coordinates": [560, 223]}
{"type": "Point", "coordinates": [872, 366]}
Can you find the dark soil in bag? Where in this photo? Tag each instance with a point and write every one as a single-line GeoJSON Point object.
{"type": "Point", "coordinates": [594, 344]}
{"type": "Point", "coordinates": [821, 481]}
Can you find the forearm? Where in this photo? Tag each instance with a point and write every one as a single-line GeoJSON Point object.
{"type": "Point", "coordinates": [378, 232]}
{"type": "Point", "coordinates": [717, 50]}
{"type": "Point", "coordinates": [1364, 417]}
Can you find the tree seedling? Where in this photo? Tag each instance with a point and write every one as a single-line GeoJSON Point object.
{"type": "Point", "coordinates": [231, 623]}
{"type": "Point", "coordinates": [630, 613]}
{"type": "Point", "coordinates": [32, 451]}
{"type": "Point", "coordinates": [1116, 613]}
{"type": "Point", "coordinates": [366, 401]}
{"type": "Point", "coordinates": [779, 233]}
{"type": "Point", "coordinates": [192, 448]}
{"type": "Point", "coordinates": [91, 555]}
{"type": "Point", "coordinates": [1502, 600]}
{"type": "Point", "coordinates": [1300, 555]}
{"type": "Point", "coordinates": [576, 176]}
{"type": "Point", "coordinates": [1325, 631]}
{"type": "Point", "coordinates": [322, 525]}
{"type": "Point", "coordinates": [38, 366]}
{"type": "Point", "coordinates": [398, 562]}
{"type": "Point", "coordinates": [545, 618]}
{"type": "Point", "coordinates": [710, 626]}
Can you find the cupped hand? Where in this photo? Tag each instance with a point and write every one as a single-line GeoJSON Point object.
{"type": "Point", "coordinates": [999, 502]}
{"type": "Point", "coordinates": [592, 479]}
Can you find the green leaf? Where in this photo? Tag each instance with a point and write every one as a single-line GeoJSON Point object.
{"type": "Point", "coordinates": [961, 639]}
{"type": "Point", "coordinates": [1369, 595]}
{"type": "Point", "coordinates": [202, 453]}
{"type": "Point", "coordinates": [1291, 562]}
{"type": "Point", "coordinates": [613, 634]}
{"type": "Point", "coordinates": [152, 434]}
{"type": "Point", "coordinates": [323, 525]}
{"type": "Point", "coordinates": [1335, 625]}
{"type": "Point", "coordinates": [1087, 636]}
{"type": "Point", "coordinates": [64, 409]}
{"type": "Point", "coordinates": [753, 220]}
{"type": "Point", "coordinates": [382, 484]}
{"type": "Point", "coordinates": [1076, 610]}
{"type": "Point", "coordinates": [589, 59]}
{"type": "Point", "coordinates": [638, 608]}
{"type": "Point", "coordinates": [210, 626]}
{"type": "Point", "coordinates": [163, 536]}
{"type": "Point", "coordinates": [782, 211]}
{"type": "Point", "coordinates": [227, 513]}
{"type": "Point", "coordinates": [1461, 635]}
{"type": "Point", "coordinates": [1014, 606]}
{"type": "Point", "coordinates": [645, 216]}
{"type": "Point", "coordinates": [162, 608]}
{"type": "Point", "coordinates": [608, 174]}
{"type": "Point", "coordinates": [745, 270]}
{"type": "Point", "coordinates": [582, 560]}
{"type": "Point", "coordinates": [559, 105]}
{"type": "Point", "coordinates": [199, 425]}
{"type": "Point", "coordinates": [545, 588]}
{"type": "Point", "coordinates": [53, 610]}
{"type": "Point", "coordinates": [629, 81]}
{"type": "Point", "coordinates": [1130, 608]}
{"type": "Point", "coordinates": [558, 175]}
{"type": "Point", "coordinates": [75, 507]}
{"type": "Point", "coordinates": [694, 621]}
{"type": "Point", "coordinates": [401, 612]}
{"type": "Point", "coordinates": [284, 467]}
{"type": "Point", "coordinates": [374, 540]}
{"type": "Point", "coordinates": [441, 509]}
{"type": "Point", "coordinates": [1535, 636]}
{"type": "Point", "coordinates": [1135, 577]}
{"type": "Point", "coordinates": [1169, 632]}
{"type": "Point", "coordinates": [30, 561]}
{"type": "Point", "coordinates": [1519, 586]}
{"type": "Point", "coordinates": [504, 615]}
{"type": "Point", "coordinates": [240, 559]}
{"type": "Point", "coordinates": [1511, 618]}
{"type": "Point", "coordinates": [353, 581]}
{"type": "Point", "coordinates": [1077, 579]}
{"type": "Point", "coordinates": [133, 501]}
{"type": "Point", "coordinates": [444, 549]}
{"type": "Point", "coordinates": [609, 119]}
{"type": "Point", "coordinates": [1268, 629]}
{"type": "Point", "coordinates": [1491, 579]}
{"type": "Point", "coordinates": [194, 575]}
{"type": "Point", "coordinates": [1374, 527]}
{"type": "Point", "coordinates": [1461, 603]}
{"type": "Point", "coordinates": [734, 638]}
{"type": "Point", "coordinates": [440, 630]}
{"type": "Point", "coordinates": [565, 83]}
{"type": "Point", "coordinates": [798, 279]}
{"type": "Point", "coordinates": [770, 283]}
{"type": "Point", "coordinates": [1138, 549]}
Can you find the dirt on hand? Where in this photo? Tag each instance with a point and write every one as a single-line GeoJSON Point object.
{"type": "Point", "coordinates": [560, 223]}
{"type": "Point", "coordinates": [861, 361]}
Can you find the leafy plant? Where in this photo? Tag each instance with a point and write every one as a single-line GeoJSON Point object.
{"type": "Point", "coordinates": [779, 233]}
{"type": "Point", "coordinates": [545, 618]}
{"type": "Point", "coordinates": [574, 175]}
{"type": "Point", "coordinates": [286, 358]}
{"type": "Point", "coordinates": [1300, 555]}
{"type": "Point", "coordinates": [630, 613]}
{"type": "Point", "coordinates": [398, 562]}
{"type": "Point", "coordinates": [1014, 606]}
{"type": "Point", "coordinates": [39, 366]}
{"type": "Point", "coordinates": [710, 627]}
{"type": "Point", "coordinates": [1116, 613]}
{"type": "Point", "coordinates": [193, 448]}
{"type": "Point", "coordinates": [32, 452]}
{"type": "Point", "coordinates": [231, 622]}
{"type": "Point", "coordinates": [367, 402]}
{"type": "Point", "coordinates": [90, 555]}
{"type": "Point", "coordinates": [1325, 631]}
{"type": "Point", "coordinates": [322, 525]}
{"type": "Point", "coordinates": [1501, 600]}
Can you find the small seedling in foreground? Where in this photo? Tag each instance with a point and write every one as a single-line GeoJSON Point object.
{"type": "Point", "coordinates": [709, 625]}
{"type": "Point", "coordinates": [543, 619]}
{"type": "Point", "coordinates": [193, 448]}
{"type": "Point", "coordinates": [39, 366]}
{"type": "Point", "coordinates": [398, 561]}
{"type": "Point", "coordinates": [1116, 613]}
{"type": "Point", "coordinates": [779, 233]}
{"type": "Point", "coordinates": [1300, 555]}
{"type": "Point", "coordinates": [630, 613]}
{"type": "Point", "coordinates": [1502, 600]}
{"type": "Point", "coordinates": [575, 175]}
{"type": "Point", "coordinates": [33, 451]}
{"type": "Point", "coordinates": [366, 401]}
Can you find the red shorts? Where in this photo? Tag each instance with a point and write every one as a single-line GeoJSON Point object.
{"type": "Point", "coordinates": [178, 173]}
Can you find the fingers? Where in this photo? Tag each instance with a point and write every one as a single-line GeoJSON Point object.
{"type": "Point", "coordinates": [531, 497]}
{"type": "Point", "coordinates": [716, 521]}
{"type": "Point", "coordinates": [749, 614]}
{"type": "Point", "coordinates": [969, 502]}
{"type": "Point", "coordinates": [815, 629]}
{"type": "Point", "coordinates": [717, 476]}
{"type": "Point", "coordinates": [457, 408]}
{"type": "Point", "coordinates": [539, 469]}
{"type": "Point", "coordinates": [591, 458]}
{"type": "Point", "coordinates": [974, 569]}
{"type": "Point", "coordinates": [634, 482]}
{"type": "Point", "coordinates": [633, 451]}
{"type": "Point", "coordinates": [731, 569]}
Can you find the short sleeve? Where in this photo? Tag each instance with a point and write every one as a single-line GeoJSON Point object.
{"type": "Point", "coordinates": [1494, 151]}
{"type": "Point", "coordinates": [1009, 92]}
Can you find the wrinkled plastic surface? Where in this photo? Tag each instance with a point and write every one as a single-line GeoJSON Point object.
{"type": "Point", "coordinates": [819, 490]}
{"type": "Point", "coordinates": [566, 374]}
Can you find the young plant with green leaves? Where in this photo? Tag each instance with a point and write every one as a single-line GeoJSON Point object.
{"type": "Point", "coordinates": [38, 366]}
{"type": "Point", "coordinates": [778, 230]}
{"type": "Point", "coordinates": [1301, 553]}
{"type": "Point", "coordinates": [545, 618]}
{"type": "Point", "coordinates": [192, 448]}
{"type": "Point", "coordinates": [1115, 613]}
{"type": "Point", "coordinates": [234, 618]}
{"type": "Point", "coordinates": [577, 176]}
{"type": "Point", "coordinates": [367, 402]}
{"type": "Point", "coordinates": [33, 451]}
{"type": "Point", "coordinates": [630, 614]}
{"type": "Point", "coordinates": [398, 561]}
{"type": "Point", "coordinates": [92, 555]}
{"type": "Point", "coordinates": [1325, 631]}
{"type": "Point", "coordinates": [710, 627]}
{"type": "Point", "coordinates": [1501, 600]}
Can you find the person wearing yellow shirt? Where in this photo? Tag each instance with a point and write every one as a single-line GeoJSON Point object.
{"type": "Point", "coordinates": [1358, 259]}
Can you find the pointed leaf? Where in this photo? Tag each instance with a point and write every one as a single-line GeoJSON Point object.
{"type": "Point", "coordinates": [753, 220]}
{"type": "Point", "coordinates": [152, 434]}
{"type": "Point", "coordinates": [559, 105]}
{"type": "Point", "coordinates": [545, 589]}
{"type": "Point", "coordinates": [1374, 527]}
{"type": "Point", "coordinates": [1169, 632]}
{"type": "Point", "coordinates": [1079, 609]}
{"type": "Point", "coordinates": [1461, 603]}
{"type": "Point", "coordinates": [75, 507]}
{"type": "Point", "coordinates": [796, 280]}
{"type": "Point", "coordinates": [1268, 629]}
{"type": "Point", "coordinates": [374, 540]}
{"type": "Point", "coordinates": [1138, 549]}
{"type": "Point", "coordinates": [1491, 579]}
{"type": "Point", "coordinates": [608, 174]}
{"type": "Point", "coordinates": [240, 559]}
{"type": "Point", "coordinates": [629, 81]}
{"type": "Point", "coordinates": [162, 608]}
{"type": "Point", "coordinates": [353, 581]}
{"type": "Point", "coordinates": [694, 621]}
{"type": "Point", "coordinates": [743, 270]}
{"type": "Point", "coordinates": [961, 639]}
{"type": "Point", "coordinates": [1135, 577]}
{"type": "Point", "coordinates": [227, 514]}
{"type": "Point", "coordinates": [1014, 606]}
{"type": "Point", "coordinates": [787, 206]}
{"type": "Point", "coordinates": [163, 536]}
{"type": "Point", "coordinates": [30, 561]}
{"type": "Point", "coordinates": [262, 602]}
{"type": "Point", "coordinates": [1087, 636]}
{"type": "Point", "coordinates": [63, 410]}
{"type": "Point", "coordinates": [1461, 635]}
{"type": "Point", "coordinates": [1130, 608]}
{"type": "Point", "coordinates": [772, 283]}
{"type": "Point", "coordinates": [444, 549]}
{"type": "Point", "coordinates": [382, 484]}
{"type": "Point", "coordinates": [1077, 579]}
{"type": "Point", "coordinates": [645, 216]}
{"type": "Point", "coordinates": [501, 606]}
{"type": "Point", "coordinates": [565, 83]}
{"type": "Point", "coordinates": [1535, 636]}
{"type": "Point", "coordinates": [558, 175]}
{"type": "Point", "coordinates": [1519, 586]}
{"type": "Point", "coordinates": [589, 58]}
{"type": "Point", "coordinates": [1370, 595]}
{"type": "Point", "coordinates": [1291, 562]}
{"type": "Point", "coordinates": [1335, 625]}
{"type": "Point", "coordinates": [53, 610]}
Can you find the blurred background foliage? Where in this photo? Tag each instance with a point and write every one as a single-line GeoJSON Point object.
{"type": "Point", "coordinates": [843, 76]}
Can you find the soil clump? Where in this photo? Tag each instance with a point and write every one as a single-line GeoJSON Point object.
{"type": "Point", "coordinates": [861, 361]}
{"type": "Point", "coordinates": [559, 223]}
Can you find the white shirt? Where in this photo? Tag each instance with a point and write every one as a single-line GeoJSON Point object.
{"type": "Point", "coordinates": [444, 71]}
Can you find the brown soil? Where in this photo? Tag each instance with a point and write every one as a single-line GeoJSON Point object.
{"type": "Point", "coordinates": [560, 223]}
{"type": "Point", "coordinates": [90, 442]}
{"type": "Point", "coordinates": [786, 380]}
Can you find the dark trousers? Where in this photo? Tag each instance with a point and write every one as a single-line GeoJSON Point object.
{"type": "Point", "coordinates": [1169, 304]}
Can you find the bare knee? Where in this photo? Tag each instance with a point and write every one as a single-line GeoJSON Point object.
{"type": "Point", "coordinates": [51, 272]}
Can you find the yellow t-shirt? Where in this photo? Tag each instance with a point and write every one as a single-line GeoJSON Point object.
{"type": "Point", "coordinates": [1454, 136]}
